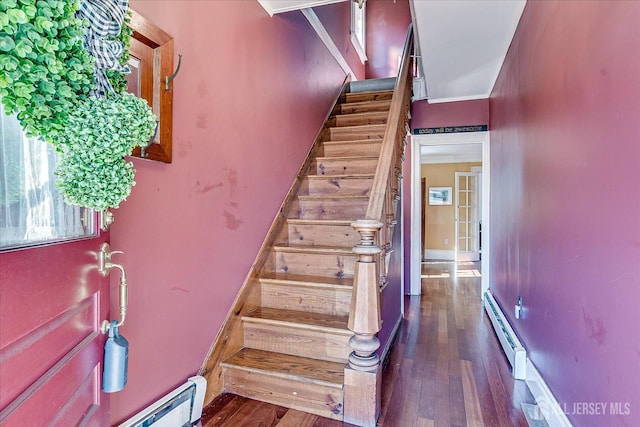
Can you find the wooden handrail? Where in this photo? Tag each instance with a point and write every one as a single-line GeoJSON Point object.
{"type": "Point", "coordinates": [401, 97]}
{"type": "Point", "coordinates": [362, 374]}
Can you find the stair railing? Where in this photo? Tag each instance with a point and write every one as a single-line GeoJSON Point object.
{"type": "Point", "coordinates": [362, 374]}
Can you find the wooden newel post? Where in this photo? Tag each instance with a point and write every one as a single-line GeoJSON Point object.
{"type": "Point", "coordinates": [362, 373]}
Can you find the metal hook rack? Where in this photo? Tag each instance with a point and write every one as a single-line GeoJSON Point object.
{"type": "Point", "coordinates": [104, 267]}
{"type": "Point", "coordinates": [167, 79]}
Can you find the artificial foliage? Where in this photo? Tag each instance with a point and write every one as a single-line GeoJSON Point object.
{"type": "Point", "coordinates": [117, 79]}
{"type": "Point", "coordinates": [46, 77]}
{"type": "Point", "coordinates": [101, 131]}
{"type": "Point", "coordinates": [44, 70]}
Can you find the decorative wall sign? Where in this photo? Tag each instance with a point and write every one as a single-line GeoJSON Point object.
{"type": "Point", "coordinates": [440, 195]}
{"type": "Point", "coordinates": [450, 129]}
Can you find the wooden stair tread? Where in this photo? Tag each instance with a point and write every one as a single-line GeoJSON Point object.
{"type": "Point", "coordinates": [289, 367]}
{"type": "Point", "coordinates": [367, 103]}
{"type": "Point", "coordinates": [332, 197]}
{"type": "Point", "coordinates": [336, 250]}
{"type": "Point", "coordinates": [300, 319]}
{"type": "Point", "coordinates": [364, 115]}
{"type": "Point", "coordinates": [306, 280]}
{"type": "Point", "coordinates": [345, 158]}
{"type": "Point", "coordinates": [337, 176]}
{"type": "Point", "coordinates": [319, 221]}
{"type": "Point", "coordinates": [368, 92]}
{"type": "Point", "coordinates": [346, 129]}
{"type": "Point", "coordinates": [354, 141]}
{"type": "Point", "coordinates": [377, 95]}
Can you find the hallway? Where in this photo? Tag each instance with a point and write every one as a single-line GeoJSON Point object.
{"type": "Point", "coordinates": [446, 368]}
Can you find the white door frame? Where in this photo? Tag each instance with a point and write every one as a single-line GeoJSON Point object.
{"type": "Point", "coordinates": [416, 208]}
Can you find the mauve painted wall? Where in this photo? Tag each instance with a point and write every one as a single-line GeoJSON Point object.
{"type": "Point", "coordinates": [387, 25]}
{"type": "Point", "coordinates": [391, 297]}
{"type": "Point", "coordinates": [250, 97]}
{"type": "Point", "coordinates": [336, 19]}
{"type": "Point", "coordinates": [461, 113]}
{"type": "Point", "coordinates": [565, 197]}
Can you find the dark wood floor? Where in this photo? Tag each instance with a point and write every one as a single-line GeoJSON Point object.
{"type": "Point", "coordinates": [447, 368]}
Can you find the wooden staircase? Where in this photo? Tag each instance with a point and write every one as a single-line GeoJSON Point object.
{"type": "Point", "coordinates": [302, 331]}
{"type": "Point", "coordinates": [295, 343]}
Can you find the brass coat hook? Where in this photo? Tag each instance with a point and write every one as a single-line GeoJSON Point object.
{"type": "Point", "coordinates": [167, 79]}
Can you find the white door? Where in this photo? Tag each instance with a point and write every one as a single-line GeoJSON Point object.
{"type": "Point", "coordinates": [467, 217]}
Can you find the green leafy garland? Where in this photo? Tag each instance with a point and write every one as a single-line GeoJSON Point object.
{"type": "Point", "coordinates": [46, 77]}
{"type": "Point", "coordinates": [92, 171]}
{"type": "Point", "coordinates": [44, 70]}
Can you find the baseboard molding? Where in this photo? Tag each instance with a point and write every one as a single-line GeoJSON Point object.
{"type": "Point", "coordinates": [440, 254]}
{"type": "Point", "coordinates": [546, 401]}
{"type": "Point", "coordinates": [392, 339]}
{"type": "Point", "coordinates": [513, 348]}
{"type": "Point", "coordinates": [523, 369]}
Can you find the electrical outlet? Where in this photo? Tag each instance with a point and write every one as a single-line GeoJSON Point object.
{"type": "Point", "coordinates": [518, 308]}
{"type": "Point", "coordinates": [446, 241]}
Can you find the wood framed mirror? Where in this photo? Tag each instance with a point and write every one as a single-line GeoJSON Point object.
{"type": "Point", "coordinates": [151, 61]}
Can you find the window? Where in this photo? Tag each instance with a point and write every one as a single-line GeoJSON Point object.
{"type": "Point", "coordinates": [358, 29]}
{"type": "Point", "coordinates": [32, 211]}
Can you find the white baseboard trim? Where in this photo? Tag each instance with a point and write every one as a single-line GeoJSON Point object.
{"type": "Point", "coordinates": [391, 340]}
{"type": "Point", "coordinates": [546, 401]}
{"type": "Point", "coordinates": [440, 254]}
{"type": "Point", "coordinates": [513, 348]}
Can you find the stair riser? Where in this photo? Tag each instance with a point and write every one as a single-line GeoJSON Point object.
{"type": "Point", "coordinates": [332, 209]}
{"type": "Point", "coordinates": [365, 108]}
{"type": "Point", "coordinates": [368, 96]}
{"type": "Point", "coordinates": [323, 235]}
{"type": "Point", "coordinates": [313, 398]}
{"type": "Point", "coordinates": [314, 264]}
{"type": "Point", "coordinates": [336, 302]}
{"type": "Point", "coordinates": [372, 118]}
{"type": "Point", "coordinates": [333, 347]}
{"type": "Point", "coordinates": [339, 186]}
{"type": "Point", "coordinates": [345, 167]}
{"type": "Point", "coordinates": [354, 134]}
{"type": "Point", "coordinates": [352, 149]}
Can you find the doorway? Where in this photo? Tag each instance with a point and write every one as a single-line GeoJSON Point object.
{"type": "Point", "coordinates": [439, 143]}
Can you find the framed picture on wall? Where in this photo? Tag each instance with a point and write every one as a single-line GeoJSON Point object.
{"type": "Point", "coordinates": [440, 195]}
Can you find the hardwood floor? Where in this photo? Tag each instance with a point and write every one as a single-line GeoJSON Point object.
{"type": "Point", "coordinates": [446, 369]}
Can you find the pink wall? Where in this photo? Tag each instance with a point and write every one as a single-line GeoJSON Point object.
{"type": "Point", "coordinates": [250, 97]}
{"type": "Point", "coordinates": [461, 113]}
{"type": "Point", "coordinates": [565, 164]}
{"type": "Point", "coordinates": [336, 19]}
{"type": "Point", "coordinates": [387, 25]}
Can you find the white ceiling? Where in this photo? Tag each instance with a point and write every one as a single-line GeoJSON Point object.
{"type": "Point", "coordinates": [278, 6]}
{"type": "Point", "coordinates": [463, 44]}
{"type": "Point", "coordinates": [451, 153]}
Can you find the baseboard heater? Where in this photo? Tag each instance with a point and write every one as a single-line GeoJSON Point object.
{"type": "Point", "coordinates": [179, 408]}
{"type": "Point", "coordinates": [516, 354]}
